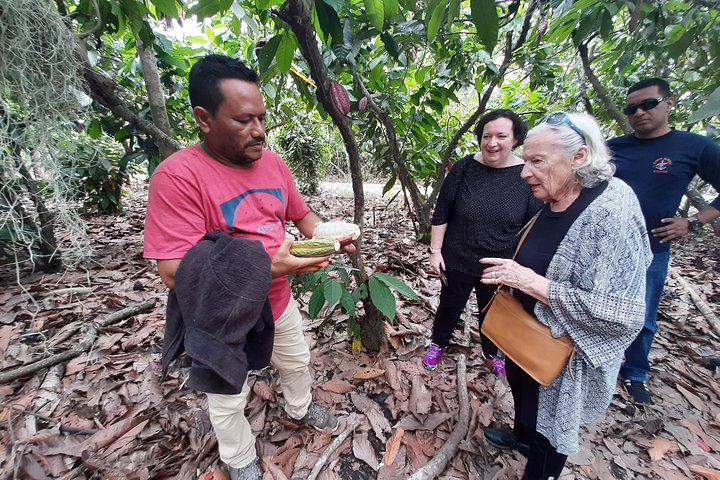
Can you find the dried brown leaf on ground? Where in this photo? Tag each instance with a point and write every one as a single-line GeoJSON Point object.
{"type": "Point", "coordinates": [406, 412]}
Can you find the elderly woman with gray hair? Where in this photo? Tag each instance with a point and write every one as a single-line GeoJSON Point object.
{"type": "Point", "coordinates": [581, 272]}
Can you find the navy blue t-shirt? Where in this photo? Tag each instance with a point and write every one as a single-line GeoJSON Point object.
{"type": "Point", "coordinates": [660, 169]}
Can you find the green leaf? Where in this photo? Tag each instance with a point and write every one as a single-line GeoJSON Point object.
{"type": "Point", "coordinates": [329, 21]}
{"type": "Point", "coordinates": [208, 8]}
{"type": "Point", "coordinates": [402, 288]}
{"type": "Point", "coordinates": [436, 19]}
{"type": "Point", "coordinates": [317, 300]}
{"type": "Point", "coordinates": [390, 44]}
{"type": "Point", "coordinates": [94, 130]}
{"type": "Point", "coordinates": [347, 302]}
{"type": "Point", "coordinates": [332, 290]}
{"type": "Point", "coordinates": [382, 297]}
{"type": "Point", "coordinates": [484, 16]}
{"type": "Point", "coordinates": [375, 11]}
{"type": "Point", "coordinates": [391, 8]}
{"type": "Point", "coordinates": [710, 108]}
{"type": "Point", "coordinates": [677, 49]}
{"type": "Point", "coordinates": [166, 7]}
{"type": "Point", "coordinates": [286, 53]}
{"type": "Point", "coordinates": [390, 183]}
{"type": "Point", "coordinates": [336, 5]}
{"type": "Point", "coordinates": [343, 274]}
{"type": "Point", "coordinates": [267, 53]}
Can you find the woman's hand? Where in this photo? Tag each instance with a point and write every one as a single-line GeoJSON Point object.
{"type": "Point", "coordinates": [437, 263]}
{"type": "Point", "coordinates": [503, 271]}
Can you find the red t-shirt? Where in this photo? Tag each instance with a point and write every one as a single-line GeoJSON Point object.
{"type": "Point", "coordinates": [192, 194]}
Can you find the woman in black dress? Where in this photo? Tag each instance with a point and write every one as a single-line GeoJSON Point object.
{"type": "Point", "coordinates": [481, 206]}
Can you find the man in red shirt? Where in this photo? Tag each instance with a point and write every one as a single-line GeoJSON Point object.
{"type": "Point", "coordinates": [231, 183]}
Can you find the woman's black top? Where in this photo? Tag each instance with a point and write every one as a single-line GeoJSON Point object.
{"type": "Point", "coordinates": [483, 207]}
{"type": "Point", "coordinates": [545, 236]}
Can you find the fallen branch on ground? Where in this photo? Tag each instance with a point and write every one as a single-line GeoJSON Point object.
{"type": "Point", "coordinates": [81, 348]}
{"type": "Point", "coordinates": [701, 305]}
{"type": "Point", "coordinates": [446, 453]}
{"type": "Point", "coordinates": [331, 448]}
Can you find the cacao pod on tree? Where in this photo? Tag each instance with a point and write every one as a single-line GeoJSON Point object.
{"type": "Point", "coordinates": [362, 104]}
{"type": "Point", "coordinates": [339, 98]}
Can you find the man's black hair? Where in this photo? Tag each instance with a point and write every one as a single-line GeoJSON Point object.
{"type": "Point", "coordinates": [520, 128]}
{"type": "Point", "coordinates": [663, 86]}
{"type": "Point", "coordinates": [205, 77]}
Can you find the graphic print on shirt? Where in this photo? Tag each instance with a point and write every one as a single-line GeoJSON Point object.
{"type": "Point", "coordinates": [272, 202]}
{"type": "Point", "coordinates": [662, 165]}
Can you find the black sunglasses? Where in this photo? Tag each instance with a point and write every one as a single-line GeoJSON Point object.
{"type": "Point", "coordinates": [646, 105]}
{"type": "Point", "coordinates": [562, 118]}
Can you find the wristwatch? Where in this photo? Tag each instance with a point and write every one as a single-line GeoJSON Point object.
{"type": "Point", "coordinates": [695, 226]}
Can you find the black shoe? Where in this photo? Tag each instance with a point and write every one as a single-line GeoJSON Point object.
{"type": "Point", "coordinates": [638, 391]}
{"type": "Point", "coordinates": [504, 439]}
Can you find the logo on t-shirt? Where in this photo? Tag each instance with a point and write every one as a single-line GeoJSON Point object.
{"type": "Point", "coordinates": [662, 165]}
{"type": "Point", "coordinates": [231, 208]}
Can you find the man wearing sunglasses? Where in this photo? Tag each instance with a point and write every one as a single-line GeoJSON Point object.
{"type": "Point", "coordinates": [659, 162]}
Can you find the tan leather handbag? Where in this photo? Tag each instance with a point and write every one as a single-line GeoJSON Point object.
{"type": "Point", "coordinates": [522, 338]}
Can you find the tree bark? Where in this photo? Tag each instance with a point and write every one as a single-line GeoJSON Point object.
{"type": "Point", "coordinates": [50, 258]}
{"type": "Point", "coordinates": [297, 14]}
{"type": "Point", "coordinates": [156, 96]}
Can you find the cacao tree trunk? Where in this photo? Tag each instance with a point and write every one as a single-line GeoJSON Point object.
{"type": "Point", "coordinates": [156, 96]}
{"type": "Point", "coordinates": [45, 255]}
{"type": "Point", "coordinates": [297, 14]}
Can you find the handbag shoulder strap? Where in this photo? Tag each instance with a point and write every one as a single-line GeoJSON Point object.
{"type": "Point", "coordinates": [525, 230]}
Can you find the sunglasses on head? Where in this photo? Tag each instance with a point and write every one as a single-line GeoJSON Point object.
{"type": "Point", "coordinates": [562, 118]}
{"type": "Point", "coordinates": [646, 105]}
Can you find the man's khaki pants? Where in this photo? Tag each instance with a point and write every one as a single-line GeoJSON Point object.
{"type": "Point", "coordinates": [290, 357]}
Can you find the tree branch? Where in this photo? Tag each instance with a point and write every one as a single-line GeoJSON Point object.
{"type": "Point", "coordinates": [602, 93]}
{"type": "Point", "coordinates": [403, 173]}
{"type": "Point", "coordinates": [155, 94]}
{"type": "Point", "coordinates": [104, 91]}
{"type": "Point", "coordinates": [446, 453]}
{"type": "Point", "coordinates": [82, 347]}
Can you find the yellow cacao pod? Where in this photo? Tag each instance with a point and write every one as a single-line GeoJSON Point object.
{"type": "Point", "coordinates": [315, 247]}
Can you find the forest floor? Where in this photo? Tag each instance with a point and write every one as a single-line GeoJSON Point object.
{"type": "Point", "coordinates": [102, 412]}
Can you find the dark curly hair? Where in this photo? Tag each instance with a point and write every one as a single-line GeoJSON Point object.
{"type": "Point", "coordinates": [520, 128]}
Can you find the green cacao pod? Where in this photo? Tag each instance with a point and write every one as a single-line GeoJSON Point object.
{"type": "Point", "coordinates": [339, 98]}
{"type": "Point", "coordinates": [315, 247]}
